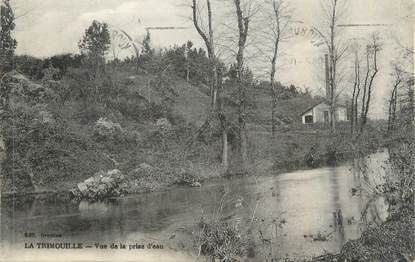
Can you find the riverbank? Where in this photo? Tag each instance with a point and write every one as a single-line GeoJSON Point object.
{"type": "Point", "coordinates": [391, 241]}
{"type": "Point", "coordinates": [166, 163]}
{"type": "Point", "coordinates": [55, 139]}
{"type": "Point", "coordinates": [170, 216]}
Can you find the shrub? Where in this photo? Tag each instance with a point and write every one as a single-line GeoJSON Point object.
{"type": "Point", "coordinates": [105, 130]}
{"type": "Point", "coordinates": [90, 112]}
{"type": "Point", "coordinates": [221, 240]}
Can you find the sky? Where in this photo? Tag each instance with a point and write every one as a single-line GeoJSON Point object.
{"type": "Point", "coordinates": [49, 27]}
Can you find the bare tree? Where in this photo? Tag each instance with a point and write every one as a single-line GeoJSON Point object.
{"type": "Point", "coordinates": [367, 54]}
{"type": "Point", "coordinates": [356, 90]}
{"type": "Point", "coordinates": [333, 13]}
{"type": "Point", "coordinates": [244, 12]}
{"type": "Point", "coordinates": [393, 98]}
{"type": "Point", "coordinates": [279, 23]}
{"type": "Point", "coordinates": [208, 39]}
{"type": "Point", "coordinates": [215, 81]}
{"type": "Point", "coordinates": [402, 34]}
{"type": "Point", "coordinates": [373, 50]}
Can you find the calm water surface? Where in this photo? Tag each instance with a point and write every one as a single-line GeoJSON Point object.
{"type": "Point", "coordinates": [306, 200]}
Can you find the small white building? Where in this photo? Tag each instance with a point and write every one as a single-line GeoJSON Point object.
{"type": "Point", "coordinates": [320, 113]}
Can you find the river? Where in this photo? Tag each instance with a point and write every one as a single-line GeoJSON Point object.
{"type": "Point", "coordinates": [306, 204]}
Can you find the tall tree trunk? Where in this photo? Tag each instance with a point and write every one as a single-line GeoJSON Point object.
{"type": "Point", "coordinates": [187, 69]}
{"type": "Point", "coordinates": [273, 72]}
{"type": "Point", "coordinates": [356, 106]}
{"type": "Point", "coordinates": [365, 91]}
{"type": "Point", "coordinates": [241, 117]}
{"type": "Point", "coordinates": [332, 104]}
{"type": "Point", "coordinates": [273, 89]}
{"type": "Point", "coordinates": [277, 10]}
{"type": "Point", "coordinates": [333, 67]}
{"type": "Point", "coordinates": [390, 115]}
{"type": "Point", "coordinates": [356, 91]}
{"type": "Point", "coordinates": [370, 85]}
{"type": "Point", "coordinates": [213, 85]}
{"type": "Point", "coordinates": [222, 119]}
{"type": "Point", "coordinates": [209, 43]}
{"type": "Point", "coordinates": [243, 25]}
{"type": "Point", "coordinates": [273, 109]}
{"type": "Point", "coordinates": [213, 56]}
{"type": "Point", "coordinates": [390, 112]}
{"type": "Point", "coordinates": [215, 81]}
{"type": "Point", "coordinates": [352, 110]}
{"type": "Point", "coordinates": [392, 104]}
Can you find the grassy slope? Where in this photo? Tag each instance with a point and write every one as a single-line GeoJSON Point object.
{"type": "Point", "coordinates": [70, 153]}
{"type": "Point", "coordinates": [190, 103]}
{"type": "Point", "coordinates": [286, 110]}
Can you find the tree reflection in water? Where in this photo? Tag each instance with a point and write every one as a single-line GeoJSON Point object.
{"type": "Point", "coordinates": [391, 185]}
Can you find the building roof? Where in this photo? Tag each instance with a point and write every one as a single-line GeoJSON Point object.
{"type": "Point", "coordinates": [314, 105]}
{"type": "Point", "coordinates": [318, 103]}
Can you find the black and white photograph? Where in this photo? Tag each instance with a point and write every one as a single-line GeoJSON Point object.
{"type": "Point", "coordinates": [207, 131]}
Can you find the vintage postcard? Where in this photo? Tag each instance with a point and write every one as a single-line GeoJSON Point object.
{"type": "Point", "coordinates": [207, 130]}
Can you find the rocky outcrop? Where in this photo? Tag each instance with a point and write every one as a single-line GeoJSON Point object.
{"type": "Point", "coordinates": [163, 124]}
{"type": "Point", "coordinates": [45, 117]}
{"type": "Point", "coordinates": [102, 185]}
{"type": "Point", "coordinates": [105, 129]}
{"type": "Point", "coordinates": [22, 87]}
{"type": "Point", "coordinates": [144, 178]}
{"type": "Point", "coordinates": [188, 178]}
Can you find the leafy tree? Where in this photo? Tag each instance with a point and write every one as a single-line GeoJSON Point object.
{"type": "Point", "coordinates": [199, 65]}
{"type": "Point", "coordinates": [189, 46]}
{"type": "Point", "coordinates": [96, 43]}
{"type": "Point", "coordinates": [64, 61]}
{"type": "Point", "coordinates": [147, 55]}
{"type": "Point", "coordinates": [176, 56]}
{"type": "Point", "coordinates": [7, 42]}
{"type": "Point", "coordinates": [147, 50]}
{"type": "Point", "coordinates": [29, 66]}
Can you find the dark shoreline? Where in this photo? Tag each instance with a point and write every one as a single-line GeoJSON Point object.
{"type": "Point", "coordinates": [341, 159]}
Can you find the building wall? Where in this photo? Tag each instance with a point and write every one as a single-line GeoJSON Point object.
{"type": "Point", "coordinates": [318, 114]}
{"type": "Point", "coordinates": [341, 114]}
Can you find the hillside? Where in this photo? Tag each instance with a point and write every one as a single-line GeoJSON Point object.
{"type": "Point", "coordinates": [288, 108]}
{"type": "Point", "coordinates": [52, 144]}
{"type": "Point", "coordinates": [188, 101]}
{"type": "Point", "coordinates": [63, 129]}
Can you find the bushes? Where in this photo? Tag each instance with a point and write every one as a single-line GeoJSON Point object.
{"type": "Point", "coordinates": [90, 112]}
{"type": "Point", "coordinates": [47, 153]}
{"type": "Point", "coordinates": [165, 172]}
{"type": "Point", "coordinates": [313, 149]}
{"type": "Point", "coordinates": [220, 240]}
{"type": "Point", "coordinates": [17, 88]}
{"type": "Point", "coordinates": [391, 241]}
{"type": "Point", "coordinates": [77, 85]}
{"type": "Point", "coordinates": [400, 179]}
{"type": "Point", "coordinates": [107, 130]}
{"type": "Point", "coordinates": [58, 142]}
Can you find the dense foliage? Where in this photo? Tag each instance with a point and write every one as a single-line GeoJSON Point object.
{"type": "Point", "coordinates": [7, 42]}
